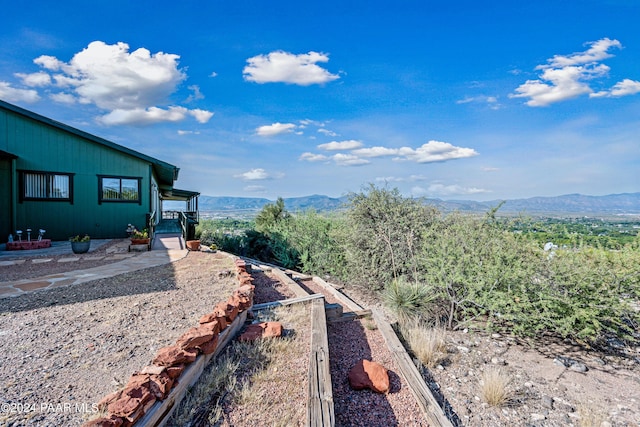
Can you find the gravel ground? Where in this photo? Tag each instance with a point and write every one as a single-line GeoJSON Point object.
{"type": "Point", "coordinates": [65, 348]}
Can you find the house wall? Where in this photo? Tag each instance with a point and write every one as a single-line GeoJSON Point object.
{"type": "Point", "coordinates": [41, 147]}
{"type": "Point", "coordinates": [5, 202]}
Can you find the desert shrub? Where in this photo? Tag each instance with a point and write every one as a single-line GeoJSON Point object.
{"type": "Point", "coordinates": [383, 235]}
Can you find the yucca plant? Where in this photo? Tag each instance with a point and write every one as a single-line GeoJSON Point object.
{"type": "Point", "coordinates": [408, 300]}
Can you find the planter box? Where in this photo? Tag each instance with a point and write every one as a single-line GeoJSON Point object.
{"type": "Point", "coordinates": [140, 241]}
{"type": "Point", "coordinates": [34, 244]}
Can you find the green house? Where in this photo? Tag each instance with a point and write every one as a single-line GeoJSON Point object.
{"type": "Point", "coordinates": [67, 182]}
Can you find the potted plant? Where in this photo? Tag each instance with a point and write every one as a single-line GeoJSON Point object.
{"type": "Point", "coordinates": [139, 237]}
{"type": "Point", "coordinates": [80, 244]}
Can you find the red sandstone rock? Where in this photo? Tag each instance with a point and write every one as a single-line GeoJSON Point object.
{"type": "Point", "coordinates": [158, 384]}
{"type": "Point", "coordinates": [109, 398]}
{"type": "Point", "coordinates": [230, 311]}
{"type": "Point", "coordinates": [112, 421]}
{"type": "Point", "coordinates": [210, 346]}
{"type": "Point", "coordinates": [174, 355]}
{"type": "Point", "coordinates": [175, 371]}
{"type": "Point", "coordinates": [367, 374]}
{"type": "Point", "coordinates": [261, 330]}
{"type": "Point", "coordinates": [195, 337]}
{"type": "Point", "coordinates": [213, 326]}
{"type": "Point", "coordinates": [132, 405]}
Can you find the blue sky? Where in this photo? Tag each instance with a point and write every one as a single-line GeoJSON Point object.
{"type": "Point", "coordinates": [454, 100]}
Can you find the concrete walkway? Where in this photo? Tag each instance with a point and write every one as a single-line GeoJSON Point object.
{"type": "Point", "coordinates": [166, 249]}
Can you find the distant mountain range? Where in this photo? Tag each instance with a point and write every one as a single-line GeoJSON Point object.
{"type": "Point", "coordinates": [570, 204]}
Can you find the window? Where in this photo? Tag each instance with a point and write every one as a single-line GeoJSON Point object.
{"type": "Point", "coordinates": [119, 189]}
{"type": "Point", "coordinates": [50, 186]}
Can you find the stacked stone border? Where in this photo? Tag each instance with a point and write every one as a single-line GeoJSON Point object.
{"type": "Point", "coordinates": [152, 394]}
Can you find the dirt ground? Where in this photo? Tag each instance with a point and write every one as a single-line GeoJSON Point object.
{"type": "Point", "coordinates": [73, 345]}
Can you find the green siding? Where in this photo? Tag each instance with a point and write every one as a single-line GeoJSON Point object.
{"type": "Point", "coordinates": [5, 202]}
{"type": "Point", "coordinates": [41, 147]}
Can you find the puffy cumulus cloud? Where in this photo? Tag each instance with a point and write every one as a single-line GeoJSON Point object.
{"type": "Point", "coordinates": [435, 151]}
{"type": "Point", "coordinates": [342, 159]}
{"type": "Point", "coordinates": [567, 76]}
{"type": "Point", "coordinates": [341, 145]}
{"type": "Point", "coordinates": [432, 151]}
{"type": "Point", "coordinates": [12, 94]}
{"type": "Point", "coordinates": [285, 67]}
{"type": "Point", "coordinates": [439, 189]}
{"type": "Point", "coordinates": [275, 129]}
{"type": "Point", "coordinates": [151, 115]}
{"type": "Point", "coordinates": [311, 157]}
{"type": "Point", "coordinates": [35, 79]}
{"type": "Point", "coordinates": [63, 98]}
{"type": "Point", "coordinates": [622, 88]}
{"type": "Point", "coordinates": [258, 174]}
{"type": "Point", "coordinates": [130, 85]}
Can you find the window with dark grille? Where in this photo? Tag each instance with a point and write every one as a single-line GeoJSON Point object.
{"type": "Point", "coordinates": [51, 186]}
{"type": "Point", "coordinates": [119, 189]}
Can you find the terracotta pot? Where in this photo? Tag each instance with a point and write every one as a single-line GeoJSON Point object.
{"type": "Point", "coordinates": [140, 241]}
{"type": "Point", "coordinates": [193, 245]}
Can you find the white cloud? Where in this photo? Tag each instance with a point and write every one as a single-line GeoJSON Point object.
{"type": "Point", "coordinates": [390, 179]}
{"type": "Point", "coordinates": [490, 169]}
{"type": "Point", "coordinates": [435, 151]}
{"type": "Point", "coordinates": [187, 132]}
{"type": "Point", "coordinates": [140, 116]}
{"type": "Point", "coordinates": [567, 77]}
{"type": "Point", "coordinates": [196, 93]}
{"type": "Point", "coordinates": [432, 151]}
{"type": "Point", "coordinates": [130, 85]}
{"type": "Point", "coordinates": [201, 116]}
{"type": "Point", "coordinates": [258, 174]}
{"type": "Point", "coordinates": [63, 98]}
{"type": "Point", "coordinates": [622, 88]}
{"type": "Point", "coordinates": [275, 129]}
{"type": "Point", "coordinates": [376, 152]}
{"type": "Point", "coordinates": [12, 94]}
{"type": "Point", "coordinates": [284, 67]}
{"type": "Point", "coordinates": [327, 132]}
{"type": "Point", "coordinates": [311, 157]}
{"type": "Point", "coordinates": [341, 145]}
{"type": "Point", "coordinates": [35, 79]}
{"type": "Point", "coordinates": [349, 160]}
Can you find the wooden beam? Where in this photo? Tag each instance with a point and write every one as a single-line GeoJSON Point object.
{"type": "Point", "coordinates": [425, 399]}
{"type": "Point", "coordinates": [290, 301]}
{"type": "Point", "coordinates": [292, 284]}
{"type": "Point", "coordinates": [320, 410]}
{"type": "Point", "coordinates": [160, 412]}
{"type": "Point", "coordinates": [352, 305]}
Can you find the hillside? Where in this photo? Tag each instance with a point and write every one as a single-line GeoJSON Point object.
{"type": "Point", "coordinates": [570, 204]}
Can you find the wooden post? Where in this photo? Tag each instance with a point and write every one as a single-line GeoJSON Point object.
{"type": "Point", "coordinates": [320, 411]}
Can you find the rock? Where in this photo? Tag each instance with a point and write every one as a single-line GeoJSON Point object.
{"type": "Point", "coordinates": [463, 349]}
{"type": "Point", "coordinates": [537, 417]}
{"type": "Point", "coordinates": [547, 402]}
{"type": "Point", "coordinates": [367, 374]}
{"type": "Point", "coordinates": [195, 337]}
{"type": "Point", "coordinates": [578, 367]}
{"type": "Point", "coordinates": [496, 336]}
{"type": "Point", "coordinates": [230, 311]}
{"type": "Point", "coordinates": [261, 330]}
{"type": "Point", "coordinates": [210, 346]}
{"type": "Point", "coordinates": [174, 355]}
{"type": "Point", "coordinates": [498, 361]}
{"type": "Point", "coordinates": [175, 371]}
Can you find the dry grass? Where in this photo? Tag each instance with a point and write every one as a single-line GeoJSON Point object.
{"type": "Point", "coordinates": [253, 381]}
{"type": "Point", "coordinates": [427, 343]}
{"type": "Point", "coordinates": [589, 417]}
{"type": "Point", "coordinates": [494, 387]}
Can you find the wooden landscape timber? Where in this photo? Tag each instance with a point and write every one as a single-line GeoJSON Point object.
{"type": "Point", "coordinates": [161, 411]}
{"type": "Point", "coordinates": [352, 305]}
{"type": "Point", "coordinates": [282, 303]}
{"type": "Point", "coordinates": [425, 399]}
{"type": "Point", "coordinates": [320, 410]}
